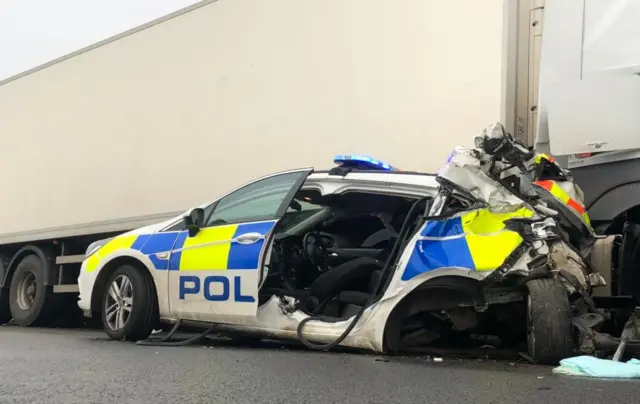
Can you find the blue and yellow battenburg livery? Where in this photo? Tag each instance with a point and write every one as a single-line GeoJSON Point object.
{"type": "Point", "coordinates": [475, 240]}
{"type": "Point", "coordinates": [213, 249]}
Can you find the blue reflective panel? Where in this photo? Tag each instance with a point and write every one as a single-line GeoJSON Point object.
{"type": "Point", "coordinates": [361, 162]}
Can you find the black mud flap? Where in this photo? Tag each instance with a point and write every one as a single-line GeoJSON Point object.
{"type": "Point", "coordinates": [627, 282]}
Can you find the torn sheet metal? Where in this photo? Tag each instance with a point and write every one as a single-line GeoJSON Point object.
{"type": "Point", "coordinates": [501, 177]}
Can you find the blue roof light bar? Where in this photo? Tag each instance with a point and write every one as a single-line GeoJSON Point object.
{"type": "Point", "coordinates": [361, 162]}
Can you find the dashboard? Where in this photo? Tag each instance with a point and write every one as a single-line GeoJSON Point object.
{"type": "Point", "coordinates": [300, 259]}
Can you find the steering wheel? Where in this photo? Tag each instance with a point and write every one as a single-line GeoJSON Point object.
{"type": "Point", "coordinates": [314, 251]}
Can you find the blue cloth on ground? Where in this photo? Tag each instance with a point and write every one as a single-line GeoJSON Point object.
{"type": "Point", "coordinates": [589, 366]}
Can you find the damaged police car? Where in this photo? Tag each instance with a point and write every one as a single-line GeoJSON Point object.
{"type": "Point", "coordinates": [371, 257]}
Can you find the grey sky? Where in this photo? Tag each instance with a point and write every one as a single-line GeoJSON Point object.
{"type": "Point", "coordinates": [33, 32]}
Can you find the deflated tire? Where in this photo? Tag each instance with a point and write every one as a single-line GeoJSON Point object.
{"type": "Point", "coordinates": [549, 329]}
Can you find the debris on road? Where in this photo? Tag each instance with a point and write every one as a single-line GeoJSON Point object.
{"type": "Point", "coordinates": [588, 366]}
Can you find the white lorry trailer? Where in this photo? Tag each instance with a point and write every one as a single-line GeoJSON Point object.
{"type": "Point", "coordinates": [572, 89]}
{"type": "Point", "coordinates": [572, 81]}
{"type": "Point", "coordinates": [141, 126]}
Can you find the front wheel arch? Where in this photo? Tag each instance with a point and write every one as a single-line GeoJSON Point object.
{"type": "Point", "coordinates": [104, 275]}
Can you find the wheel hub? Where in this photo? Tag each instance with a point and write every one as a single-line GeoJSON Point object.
{"type": "Point", "coordinates": [119, 302]}
{"type": "Point", "coordinates": [26, 295]}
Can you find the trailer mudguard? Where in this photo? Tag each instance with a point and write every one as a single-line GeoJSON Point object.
{"type": "Point", "coordinates": [615, 201]}
{"type": "Point", "coordinates": [46, 256]}
{"type": "Point", "coordinates": [4, 265]}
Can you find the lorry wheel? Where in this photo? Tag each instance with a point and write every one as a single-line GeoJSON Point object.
{"type": "Point", "coordinates": [549, 328]}
{"type": "Point", "coordinates": [31, 302]}
{"type": "Point", "coordinates": [129, 305]}
{"type": "Point", "coordinates": [5, 311]}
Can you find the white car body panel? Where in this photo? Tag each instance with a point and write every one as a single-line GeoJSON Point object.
{"type": "Point", "coordinates": [271, 319]}
{"type": "Point", "coordinates": [367, 334]}
{"type": "Point", "coordinates": [194, 307]}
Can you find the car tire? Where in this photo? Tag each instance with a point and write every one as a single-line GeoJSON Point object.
{"type": "Point", "coordinates": [31, 302]}
{"type": "Point", "coordinates": [549, 328]}
{"type": "Point", "coordinates": [129, 310]}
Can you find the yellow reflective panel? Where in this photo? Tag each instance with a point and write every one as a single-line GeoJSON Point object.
{"type": "Point", "coordinates": [208, 250]}
{"type": "Point", "coordinates": [118, 243]}
{"type": "Point", "coordinates": [92, 263]}
{"type": "Point", "coordinates": [488, 242]}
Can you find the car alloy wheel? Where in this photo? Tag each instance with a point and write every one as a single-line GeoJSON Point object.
{"type": "Point", "coordinates": [119, 302]}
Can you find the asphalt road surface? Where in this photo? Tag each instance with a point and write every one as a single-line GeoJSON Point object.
{"type": "Point", "coordinates": [73, 366]}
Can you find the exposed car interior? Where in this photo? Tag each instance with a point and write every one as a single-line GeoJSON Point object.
{"type": "Point", "coordinates": [329, 250]}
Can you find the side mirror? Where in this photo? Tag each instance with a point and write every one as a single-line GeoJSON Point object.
{"type": "Point", "coordinates": [194, 220]}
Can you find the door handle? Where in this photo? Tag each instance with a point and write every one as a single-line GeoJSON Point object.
{"type": "Point", "coordinates": [248, 238]}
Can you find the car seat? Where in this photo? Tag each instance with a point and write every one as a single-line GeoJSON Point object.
{"type": "Point", "coordinates": [352, 301]}
{"type": "Point", "coordinates": [343, 276]}
{"type": "Point", "coordinates": [331, 283]}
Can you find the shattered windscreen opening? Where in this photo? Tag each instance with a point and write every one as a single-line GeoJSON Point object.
{"type": "Point", "coordinates": [549, 171]}
{"type": "Point", "coordinates": [452, 199]}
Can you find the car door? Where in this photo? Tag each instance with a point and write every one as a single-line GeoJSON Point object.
{"type": "Point", "coordinates": [215, 274]}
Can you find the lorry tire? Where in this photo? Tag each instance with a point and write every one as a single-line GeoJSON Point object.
{"type": "Point", "coordinates": [31, 302]}
{"type": "Point", "coordinates": [129, 305]}
{"type": "Point", "coordinates": [549, 328]}
{"type": "Point", "coordinates": [5, 311]}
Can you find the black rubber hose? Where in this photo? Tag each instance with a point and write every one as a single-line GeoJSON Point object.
{"type": "Point", "coordinates": [164, 340]}
{"type": "Point", "coordinates": [387, 266]}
